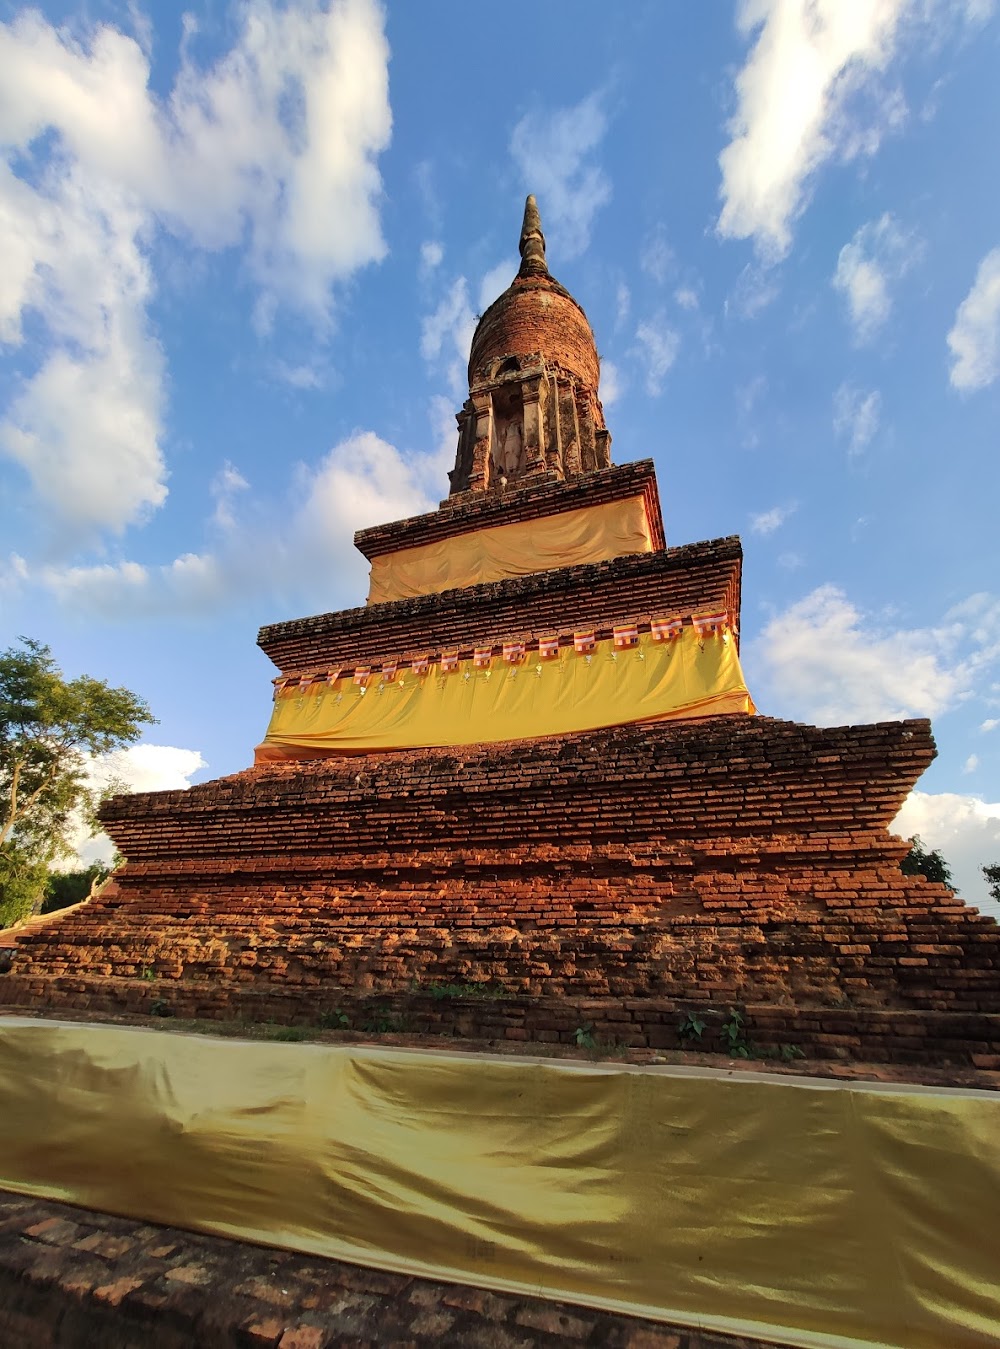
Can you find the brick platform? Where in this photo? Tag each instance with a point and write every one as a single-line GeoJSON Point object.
{"type": "Point", "coordinates": [611, 879]}
{"type": "Point", "coordinates": [84, 1280]}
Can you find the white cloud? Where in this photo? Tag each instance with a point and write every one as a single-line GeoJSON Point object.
{"type": "Point", "coordinates": [273, 148]}
{"type": "Point", "coordinates": [768, 521]}
{"type": "Point", "coordinates": [856, 416]}
{"type": "Point", "coordinates": [613, 383]}
{"type": "Point", "coordinates": [496, 281]}
{"type": "Point", "coordinates": [754, 289]}
{"type": "Point", "coordinates": [990, 724]}
{"type": "Point", "coordinates": [686, 297]}
{"type": "Point", "coordinates": [657, 257]}
{"type": "Point", "coordinates": [658, 345]}
{"type": "Point", "coordinates": [446, 335]}
{"type": "Point", "coordinates": [225, 487]}
{"type": "Point", "coordinates": [431, 256]}
{"type": "Point", "coordinates": [623, 304]}
{"type": "Point", "coordinates": [139, 768]}
{"type": "Point", "coordinates": [300, 546]}
{"type": "Point", "coordinates": [965, 830]}
{"type": "Point", "coordinates": [826, 662]}
{"type": "Point", "coordinates": [794, 95]}
{"type": "Point", "coordinates": [879, 253]}
{"type": "Point", "coordinates": [971, 764]}
{"type": "Point", "coordinates": [553, 151]}
{"type": "Point", "coordinates": [975, 336]}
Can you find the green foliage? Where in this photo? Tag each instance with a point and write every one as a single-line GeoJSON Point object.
{"type": "Point", "coordinates": [919, 862]}
{"type": "Point", "coordinates": [50, 728]}
{"type": "Point", "coordinates": [63, 888]}
{"type": "Point", "coordinates": [992, 874]}
{"type": "Point", "coordinates": [442, 992]}
{"type": "Point", "coordinates": [22, 885]}
{"type": "Point", "coordinates": [584, 1037]}
{"type": "Point", "coordinates": [382, 1021]}
{"type": "Point", "coordinates": [160, 1007]}
{"type": "Point", "coordinates": [691, 1028]}
{"type": "Point", "coordinates": [732, 1032]}
{"type": "Point", "coordinates": [334, 1021]}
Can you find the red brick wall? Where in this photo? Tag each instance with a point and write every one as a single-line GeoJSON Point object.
{"type": "Point", "coordinates": [536, 313]}
{"type": "Point", "coordinates": [697, 576]}
{"type": "Point", "coordinates": [526, 501]}
{"type": "Point", "coordinates": [737, 861]}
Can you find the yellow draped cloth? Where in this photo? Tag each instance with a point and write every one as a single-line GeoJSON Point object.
{"type": "Point", "coordinates": [590, 534]}
{"type": "Point", "coordinates": [792, 1209]}
{"type": "Point", "coordinates": [689, 676]}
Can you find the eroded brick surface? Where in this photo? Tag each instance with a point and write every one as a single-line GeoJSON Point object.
{"type": "Point", "coordinates": [608, 879]}
{"type": "Point", "coordinates": [132, 1299]}
{"type": "Point", "coordinates": [701, 576]}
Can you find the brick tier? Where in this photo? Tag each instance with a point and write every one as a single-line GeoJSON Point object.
{"type": "Point", "coordinates": [734, 862]}
{"type": "Point", "coordinates": [470, 511]}
{"type": "Point", "coordinates": [677, 580]}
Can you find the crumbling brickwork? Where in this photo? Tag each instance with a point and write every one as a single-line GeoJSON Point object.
{"type": "Point", "coordinates": [528, 501]}
{"type": "Point", "coordinates": [734, 861]}
{"type": "Point", "coordinates": [699, 576]}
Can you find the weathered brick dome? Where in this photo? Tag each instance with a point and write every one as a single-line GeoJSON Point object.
{"type": "Point", "coordinates": [535, 315]}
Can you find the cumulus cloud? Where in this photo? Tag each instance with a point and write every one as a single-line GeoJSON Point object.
{"type": "Point", "coordinates": [273, 148]}
{"type": "Point", "coordinates": [879, 254]}
{"type": "Point", "coordinates": [975, 336]}
{"type": "Point", "coordinates": [554, 152]}
{"type": "Point", "coordinates": [825, 661]}
{"type": "Point", "coordinates": [300, 546]}
{"type": "Point", "coordinates": [431, 256]}
{"type": "Point", "coordinates": [139, 768]}
{"type": "Point", "coordinates": [768, 521]}
{"type": "Point", "coordinates": [856, 416]}
{"type": "Point", "coordinates": [965, 830]}
{"type": "Point", "coordinates": [796, 106]}
{"type": "Point", "coordinates": [657, 345]}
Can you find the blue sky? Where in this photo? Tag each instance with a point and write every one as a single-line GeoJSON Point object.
{"type": "Point", "coordinates": [245, 244]}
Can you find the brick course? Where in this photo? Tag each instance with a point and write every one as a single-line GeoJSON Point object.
{"type": "Point", "coordinates": [613, 876]}
{"type": "Point", "coordinates": [677, 580]}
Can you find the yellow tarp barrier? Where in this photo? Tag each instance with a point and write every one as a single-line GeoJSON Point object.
{"type": "Point", "coordinates": [653, 681]}
{"type": "Point", "coordinates": [591, 534]}
{"type": "Point", "coordinates": [793, 1209]}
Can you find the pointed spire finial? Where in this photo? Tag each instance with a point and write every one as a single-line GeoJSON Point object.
{"type": "Point", "coordinates": [532, 241]}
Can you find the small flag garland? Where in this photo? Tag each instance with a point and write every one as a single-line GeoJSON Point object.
{"type": "Point", "coordinates": [665, 629]}
{"type": "Point", "coordinates": [710, 625]}
{"type": "Point", "coordinates": [714, 623]}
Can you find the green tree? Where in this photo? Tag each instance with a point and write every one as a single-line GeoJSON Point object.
{"type": "Point", "coordinates": [919, 862]}
{"type": "Point", "coordinates": [992, 874]}
{"type": "Point", "coordinates": [50, 730]}
{"type": "Point", "coordinates": [63, 888]}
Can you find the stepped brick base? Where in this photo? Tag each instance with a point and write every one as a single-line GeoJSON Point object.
{"type": "Point", "coordinates": [634, 872]}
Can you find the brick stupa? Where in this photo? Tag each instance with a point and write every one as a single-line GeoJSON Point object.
{"type": "Point", "coordinates": [529, 767]}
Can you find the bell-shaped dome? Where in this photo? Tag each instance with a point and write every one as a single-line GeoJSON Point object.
{"type": "Point", "coordinates": [535, 316]}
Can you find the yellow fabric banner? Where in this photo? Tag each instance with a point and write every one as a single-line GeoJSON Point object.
{"type": "Point", "coordinates": [591, 534]}
{"type": "Point", "coordinates": [650, 681]}
{"type": "Point", "coordinates": [804, 1211]}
